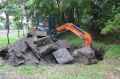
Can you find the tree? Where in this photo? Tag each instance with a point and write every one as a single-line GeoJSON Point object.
{"type": "Point", "coordinates": [113, 24]}
{"type": "Point", "coordinates": [6, 8]}
{"type": "Point", "coordinates": [19, 14]}
{"type": "Point", "coordinates": [102, 12]}
{"type": "Point", "coordinates": [95, 16]}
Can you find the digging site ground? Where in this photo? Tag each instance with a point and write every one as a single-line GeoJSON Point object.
{"type": "Point", "coordinates": [46, 56]}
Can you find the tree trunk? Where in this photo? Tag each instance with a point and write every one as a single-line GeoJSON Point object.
{"type": "Point", "coordinates": [28, 29]}
{"type": "Point", "coordinates": [22, 25]}
{"type": "Point", "coordinates": [7, 25]}
{"type": "Point", "coordinates": [23, 32]}
{"type": "Point", "coordinates": [58, 11]}
{"type": "Point", "coordinates": [27, 24]}
{"type": "Point", "coordinates": [18, 33]}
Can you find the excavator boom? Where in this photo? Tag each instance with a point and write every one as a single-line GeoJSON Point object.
{"type": "Point", "coordinates": [82, 34]}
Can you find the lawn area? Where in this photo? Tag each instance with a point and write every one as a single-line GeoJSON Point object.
{"type": "Point", "coordinates": [103, 70]}
{"type": "Point", "coordinates": [4, 42]}
{"type": "Point", "coordinates": [106, 69]}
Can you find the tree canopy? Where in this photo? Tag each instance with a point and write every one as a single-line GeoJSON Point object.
{"type": "Point", "coordinates": [99, 17]}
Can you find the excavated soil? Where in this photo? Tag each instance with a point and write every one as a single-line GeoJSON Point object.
{"type": "Point", "coordinates": [38, 48]}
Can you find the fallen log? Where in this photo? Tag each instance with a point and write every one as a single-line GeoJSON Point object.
{"type": "Point", "coordinates": [33, 48]}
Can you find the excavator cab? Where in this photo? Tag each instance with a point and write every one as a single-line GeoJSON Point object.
{"type": "Point", "coordinates": [47, 23]}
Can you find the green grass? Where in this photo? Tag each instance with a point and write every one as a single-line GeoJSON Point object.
{"type": "Point", "coordinates": [113, 51]}
{"type": "Point", "coordinates": [4, 42]}
{"type": "Point", "coordinates": [72, 39]}
{"type": "Point", "coordinates": [69, 71]}
{"type": "Point", "coordinates": [75, 40]}
{"type": "Point", "coordinates": [29, 69]}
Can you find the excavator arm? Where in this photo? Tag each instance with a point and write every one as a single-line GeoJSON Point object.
{"type": "Point", "coordinates": [82, 34]}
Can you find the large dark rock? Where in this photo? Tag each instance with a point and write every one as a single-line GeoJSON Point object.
{"type": "Point", "coordinates": [15, 53]}
{"type": "Point", "coordinates": [44, 41]}
{"type": "Point", "coordinates": [30, 58]}
{"type": "Point", "coordinates": [84, 55]}
{"type": "Point", "coordinates": [15, 59]}
{"type": "Point", "coordinates": [62, 56]}
{"type": "Point", "coordinates": [47, 48]}
{"type": "Point", "coordinates": [19, 46]}
{"type": "Point", "coordinates": [22, 52]}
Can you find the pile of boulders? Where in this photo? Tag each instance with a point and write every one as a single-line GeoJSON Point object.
{"type": "Point", "coordinates": [39, 48]}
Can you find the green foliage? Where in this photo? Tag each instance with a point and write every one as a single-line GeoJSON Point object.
{"type": "Point", "coordinates": [7, 7]}
{"type": "Point", "coordinates": [2, 18]}
{"type": "Point", "coordinates": [113, 25]}
{"type": "Point", "coordinates": [78, 10]}
{"type": "Point", "coordinates": [17, 22]}
{"type": "Point", "coordinates": [95, 16]}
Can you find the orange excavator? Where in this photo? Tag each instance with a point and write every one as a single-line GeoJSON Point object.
{"type": "Point", "coordinates": [54, 32]}
{"type": "Point", "coordinates": [50, 25]}
{"type": "Point", "coordinates": [79, 32]}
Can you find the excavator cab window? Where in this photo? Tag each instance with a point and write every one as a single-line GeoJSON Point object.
{"type": "Point", "coordinates": [47, 23]}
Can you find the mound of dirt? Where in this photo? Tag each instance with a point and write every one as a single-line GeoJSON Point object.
{"type": "Point", "coordinates": [38, 48]}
